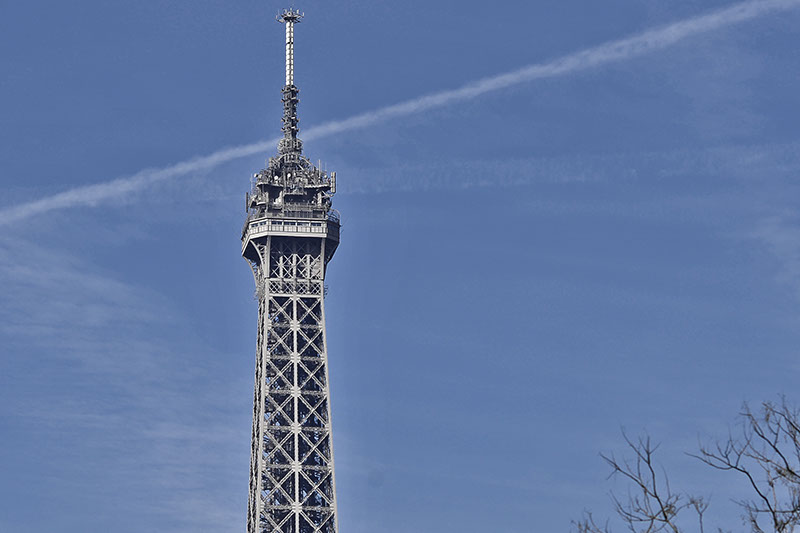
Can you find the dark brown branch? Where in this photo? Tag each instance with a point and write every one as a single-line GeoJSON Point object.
{"type": "Point", "coordinates": [765, 451]}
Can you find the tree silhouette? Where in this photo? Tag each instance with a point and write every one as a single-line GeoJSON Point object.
{"type": "Point", "coordinates": [764, 451]}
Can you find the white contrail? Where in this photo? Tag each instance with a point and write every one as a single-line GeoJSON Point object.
{"type": "Point", "coordinates": [637, 45]}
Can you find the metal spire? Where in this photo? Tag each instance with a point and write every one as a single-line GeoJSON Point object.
{"type": "Point", "coordinates": [290, 17]}
{"type": "Point", "coordinates": [290, 143]}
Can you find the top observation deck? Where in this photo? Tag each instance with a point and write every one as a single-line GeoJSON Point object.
{"type": "Point", "coordinates": [291, 197]}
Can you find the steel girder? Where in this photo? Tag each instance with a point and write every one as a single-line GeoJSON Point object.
{"type": "Point", "coordinates": [292, 487]}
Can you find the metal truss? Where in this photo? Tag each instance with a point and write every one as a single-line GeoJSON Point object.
{"type": "Point", "coordinates": [291, 473]}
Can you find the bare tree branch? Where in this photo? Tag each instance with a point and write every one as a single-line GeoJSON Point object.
{"type": "Point", "coordinates": [651, 505]}
{"type": "Point", "coordinates": [764, 450]}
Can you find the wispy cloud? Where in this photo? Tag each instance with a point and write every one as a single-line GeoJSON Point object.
{"type": "Point", "coordinates": [640, 44]}
{"type": "Point", "coordinates": [780, 234]}
{"type": "Point", "coordinates": [116, 377]}
{"type": "Point", "coordinates": [50, 297]}
{"type": "Point", "coordinates": [732, 162]}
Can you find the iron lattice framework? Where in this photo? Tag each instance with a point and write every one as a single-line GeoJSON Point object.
{"type": "Point", "coordinates": [290, 234]}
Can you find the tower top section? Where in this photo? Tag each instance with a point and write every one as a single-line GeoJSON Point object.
{"type": "Point", "coordinates": [290, 187]}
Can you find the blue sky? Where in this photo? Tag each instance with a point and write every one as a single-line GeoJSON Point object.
{"type": "Point", "coordinates": [521, 273]}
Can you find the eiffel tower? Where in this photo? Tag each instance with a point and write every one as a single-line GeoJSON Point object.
{"type": "Point", "coordinates": [290, 234]}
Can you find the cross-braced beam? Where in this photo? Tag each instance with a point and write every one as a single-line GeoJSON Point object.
{"type": "Point", "coordinates": [291, 474]}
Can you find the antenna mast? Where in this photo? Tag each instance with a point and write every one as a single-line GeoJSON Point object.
{"type": "Point", "coordinates": [289, 18]}
{"type": "Point", "coordinates": [290, 144]}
